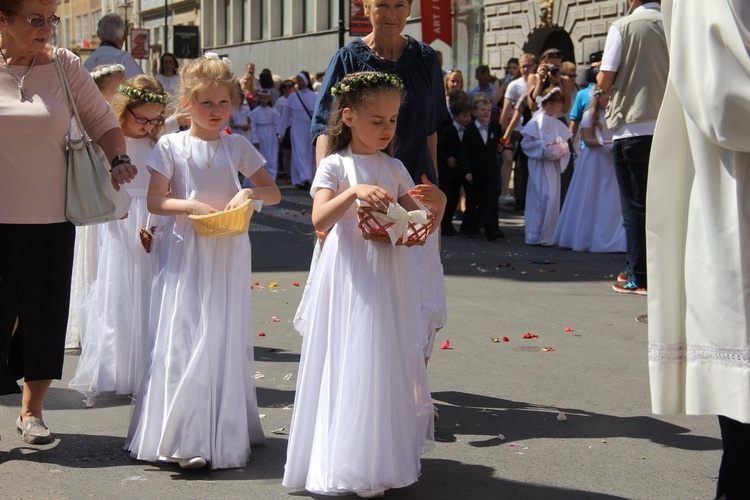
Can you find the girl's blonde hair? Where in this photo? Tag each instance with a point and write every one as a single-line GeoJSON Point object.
{"type": "Point", "coordinates": [205, 72]}
{"type": "Point", "coordinates": [596, 94]}
{"type": "Point", "coordinates": [138, 91]}
{"type": "Point", "coordinates": [354, 91]}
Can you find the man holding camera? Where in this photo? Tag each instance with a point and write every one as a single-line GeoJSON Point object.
{"type": "Point", "coordinates": [634, 69]}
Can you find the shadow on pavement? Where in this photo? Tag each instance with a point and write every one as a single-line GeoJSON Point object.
{"type": "Point", "coordinates": [522, 421]}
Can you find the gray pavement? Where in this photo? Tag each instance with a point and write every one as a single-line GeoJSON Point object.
{"type": "Point", "coordinates": [610, 445]}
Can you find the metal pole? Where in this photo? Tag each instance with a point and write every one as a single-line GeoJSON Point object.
{"type": "Point", "coordinates": [342, 26]}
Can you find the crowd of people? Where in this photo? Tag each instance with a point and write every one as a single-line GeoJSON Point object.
{"type": "Point", "coordinates": [163, 314]}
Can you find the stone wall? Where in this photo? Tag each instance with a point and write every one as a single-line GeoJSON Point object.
{"type": "Point", "coordinates": [508, 24]}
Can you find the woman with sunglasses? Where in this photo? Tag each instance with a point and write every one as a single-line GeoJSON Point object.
{"type": "Point", "coordinates": [115, 348]}
{"type": "Point", "coordinates": [36, 256]}
{"type": "Point", "coordinates": [547, 75]}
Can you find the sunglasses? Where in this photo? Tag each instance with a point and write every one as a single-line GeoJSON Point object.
{"type": "Point", "coordinates": [38, 22]}
{"type": "Point", "coordinates": [289, 86]}
{"type": "Point", "coordinates": [553, 55]}
{"type": "Point", "coordinates": [145, 121]}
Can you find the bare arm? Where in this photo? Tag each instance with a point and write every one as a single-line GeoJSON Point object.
{"type": "Point", "coordinates": [113, 144]}
{"type": "Point", "coordinates": [265, 190]}
{"type": "Point", "coordinates": [605, 79]}
{"type": "Point", "coordinates": [589, 138]}
{"type": "Point", "coordinates": [506, 114]}
{"type": "Point", "coordinates": [328, 208]}
{"type": "Point", "coordinates": [159, 204]}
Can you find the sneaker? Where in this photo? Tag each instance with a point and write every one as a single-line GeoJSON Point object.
{"type": "Point", "coordinates": [622, 277]}
{"type": "Point", "coordinates": [507, 199]}
{"type": "Point", "coordinates": [628, 287]}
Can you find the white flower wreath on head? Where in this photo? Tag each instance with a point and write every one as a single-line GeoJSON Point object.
{"type": "Point", "coordinates": [551, 93]}
{"type": "Point", "coordinates": [109, 70]}
{"type": "Point", "coordinates": [213, 56]}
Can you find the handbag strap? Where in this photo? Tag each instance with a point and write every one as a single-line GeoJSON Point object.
{"type": "Point", "coordinates": [69, 94]}
{"type": "Point", "coordinates": [303, 105]}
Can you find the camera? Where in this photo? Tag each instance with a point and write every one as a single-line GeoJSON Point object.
{"type": "Point", "coordinates": [591, 74]}
{"type": "Point", "coordinates": [553, 69]}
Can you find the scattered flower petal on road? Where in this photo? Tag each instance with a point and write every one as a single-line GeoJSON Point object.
{"type": "Point", "coordinates": [513, 445]}
{"type": "Point", "coordinates": [280, 430]}
{"type": "Point", "coordinates": [506, 339]}
{"type": "Point", "coordinates": [261, 334]}
{"type": "Point", "coordinates": [569, 329]}
{"type": "Point", "coordinates": [288, 376]}
{"type": "Point", "coordinates": [547, 349]}
{"type": "Point", "coordinates": [561, 417]}
{"type": "Point", "coordinates": [501, 437]}
{"type": "Point", "coordinates": [295, 283]}
{"type": "Point", "coordinates": [446, 345]}
{"type": "Point", "coordinates": [532, 336]}
{"type": "Point", "coordinates": [275, 319]}
{"type": "Point", "coordinates": [495, 339]}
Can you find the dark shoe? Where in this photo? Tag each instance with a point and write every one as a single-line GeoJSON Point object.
{"type": "Point", "coordinates": [628, 287]}
{"type": "Point", "coordinates": [33, 431]}
{"type": "Point", "coordinates": [495, 235]}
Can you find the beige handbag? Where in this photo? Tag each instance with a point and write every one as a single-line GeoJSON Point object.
{"type": "Point", "coordinates": [90, 197]}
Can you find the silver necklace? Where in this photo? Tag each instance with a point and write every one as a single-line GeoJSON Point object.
{"type": "Point", "coordinates": [208, 162]}
{"type": "Point", "coordinates": [21, 88]}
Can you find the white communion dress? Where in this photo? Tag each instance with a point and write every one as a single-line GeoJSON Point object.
{"type": "Point", "coordinates": [591, 217]}
{"type": "Point", "coordinates": [117, 345]}
{"type": "Point", "coordinates": [362, 412]}
{"type": "Point", "coordinates": [198, 398]}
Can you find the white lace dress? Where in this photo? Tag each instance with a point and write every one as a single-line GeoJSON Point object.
{"type": "Point", "coordinates": [362, 411]}
{"type": "Point", "coordinates": [198, 398]}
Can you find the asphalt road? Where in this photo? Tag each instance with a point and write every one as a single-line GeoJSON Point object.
{"type": "Point", "coordinates": [498, 436]}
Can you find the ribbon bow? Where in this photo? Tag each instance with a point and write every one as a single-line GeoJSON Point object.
{"type": "Point", "coordinates": [401, 219]}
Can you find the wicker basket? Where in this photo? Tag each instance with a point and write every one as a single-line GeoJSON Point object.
{"type": "Point", "coordinates": [223, 224]}
{"type": "Point", "coordinates": [376, 229]}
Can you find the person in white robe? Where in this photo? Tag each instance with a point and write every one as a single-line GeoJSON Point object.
{"type": "Point", "coordinates": [698, 229]}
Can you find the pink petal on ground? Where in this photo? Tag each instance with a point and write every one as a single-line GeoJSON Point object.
{"type": "Point", "coordinates": [261, 334]}
{"type": "Point", "coordinates": [446, 345]}
{"type": "Point", "coordinates": [275, 319]}
{"type": "Point", "coordinates": [569, 329]}
{"type": "Point", "coordinates": [295, 283]}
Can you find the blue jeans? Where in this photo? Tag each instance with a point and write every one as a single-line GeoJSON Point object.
{"type": "Point", "coordinates": [631, 157]}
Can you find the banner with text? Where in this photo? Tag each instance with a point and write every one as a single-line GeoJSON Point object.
{"type": "Point", "coordinates": [436, 21]}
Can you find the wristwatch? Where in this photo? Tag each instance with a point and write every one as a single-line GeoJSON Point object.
{"type": "Point", "coordinates": [120, 159]}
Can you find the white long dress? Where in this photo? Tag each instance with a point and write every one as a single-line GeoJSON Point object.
{"type": "Point", "coordinates": [543, 189]}
{"type": "Point", "coordinates": [264, 119]}
{"type": "Point", "coordinates": [241, 116]}
{"type": "Point", "coordinates": [198, 399]}
{"type": "Point", "coordinates": [591, 217]}
{"type": "Point", "coordinates": [433, 306]}
{"type": "Point", "coordinates": [117, 345]}
{"type": "Point", "coordinates": [362, 411]}
{"type": "Point", "coordinates": [85, 263]}
{"type": "Point", "coordinates": [698, 217]}
{"type": "Point", "coordinates": [303, 154]}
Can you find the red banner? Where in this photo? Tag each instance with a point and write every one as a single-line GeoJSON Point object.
{"type": "Point", "coordinates": [436, 21]}
{"type": "Point", "coordinates": [359, 23]}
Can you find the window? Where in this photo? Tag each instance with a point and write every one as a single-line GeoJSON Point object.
{"type": "Point", "coordinates": [309, 14]}
{"type": "Point", "coordinates": [247, 18]}
{"type": "Point", "coordinates": [78, 31]}
{"type": "Point", "coordinates": [66, 32]}
{"type": "Point", "coordinates": [85, 25]}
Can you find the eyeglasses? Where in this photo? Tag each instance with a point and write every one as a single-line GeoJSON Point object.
{"type": "Point", "coordinates": [38, 22]}
{"type": "Point", "coordinates": [144, 121]}
{"type": "Point", "coordinates": [287, 86]}
{"type": "Point", "coordinates": [553, 55]}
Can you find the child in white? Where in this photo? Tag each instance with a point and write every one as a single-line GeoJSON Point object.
{"type": "Point", "coordinates": [545, 143]}
{"type": "Point", "coordinates": [116, 349]}
{"type": "Point", "coordinates": [240, 119]}
{"type": "Point", "coordinates": [264, 118]}
{"type": "Point", "coordinates": [198, 402]}
{"type": "Point", "coordinates": [362, 411]}
{"type": "Point", "coordinates": [591, 218]}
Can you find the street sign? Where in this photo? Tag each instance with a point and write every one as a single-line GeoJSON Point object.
{"type": "Point", "coordinates": [187, 43]}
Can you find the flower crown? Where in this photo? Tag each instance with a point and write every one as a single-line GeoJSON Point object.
{"type": "Point", "coordinates": [109, 70]}
{"type": "Point", "coordinates": [143, 96]}
{"type": "Point", "coordinates": [550, 94]}
{"type": "Point", "coordinates": [366, 80]}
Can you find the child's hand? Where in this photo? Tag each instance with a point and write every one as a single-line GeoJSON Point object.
{"type": "Point", "coordinates": [429, 194]}
{"type": "Point", "coordinates": [376, 196]}
{"type": "Point", "coordinates": [239, 199]}
{"type": "Point", "coordinates": [196, 207]}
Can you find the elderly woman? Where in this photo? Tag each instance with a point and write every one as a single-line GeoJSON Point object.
{"type": "Point", "coordinates": [36, 256]}
{"type": "Point", "coordinates": [387, 50]}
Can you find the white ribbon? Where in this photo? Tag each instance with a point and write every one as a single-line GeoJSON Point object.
{"type": "Point", "coordinates": [401, 219]}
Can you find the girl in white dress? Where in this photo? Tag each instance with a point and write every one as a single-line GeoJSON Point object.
{"type": "Point", "coordinates": [240, 119]}
{"type": "Point", "coordinates": [545, 143]}
{"type": "Point", "coordinates": [86, 251]}
{"type": "Point", "coordinates": [591, 217]}
{"type": "Point", "coordinates": [115, 350]}
{"type": "Point", "coordinates": [264, 118]}
{"type": "Point", "coordinates": [298, 114]}
{"type": "Point", "coordinates": [362, 411]}
{"type": "Point", "coordinates": [197, 404]}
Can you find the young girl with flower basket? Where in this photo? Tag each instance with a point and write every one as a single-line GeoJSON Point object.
{"type": "Point", "coordinates": [197, 404]}
{"type": "Point", "coordinates": [362, 411]}
{"type": "Point", "coordinates": [117, 343]}
{"type": "Point", "coordinates": [545, 142]}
